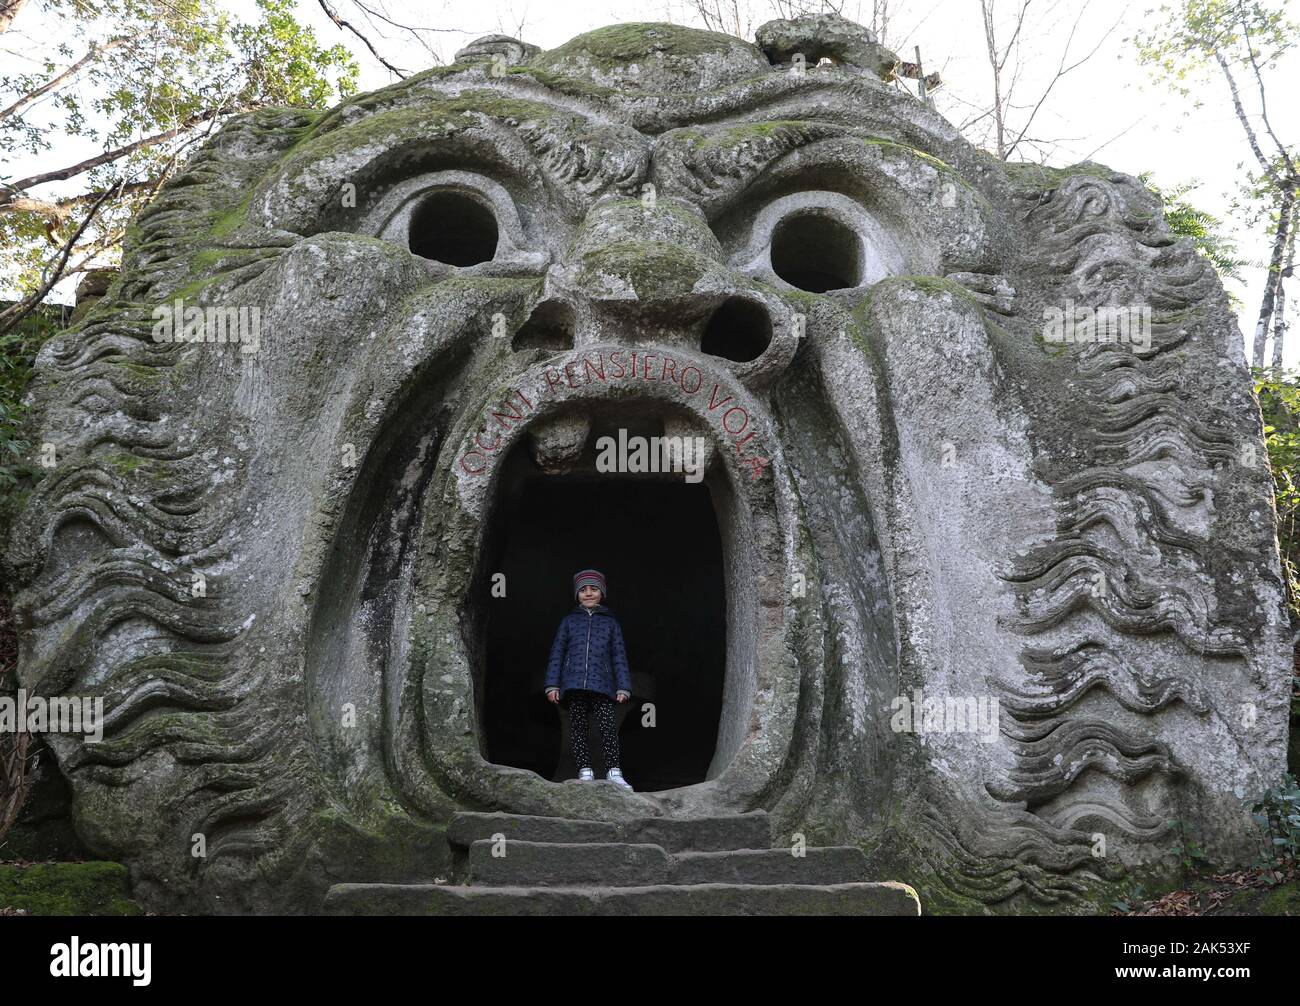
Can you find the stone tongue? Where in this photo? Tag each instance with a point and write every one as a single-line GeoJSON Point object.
{"type": "Point", "coordinates": [557, 442]}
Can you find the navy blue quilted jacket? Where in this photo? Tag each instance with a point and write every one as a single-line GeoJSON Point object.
{"type": "Point", "coordinates": [588, 653]}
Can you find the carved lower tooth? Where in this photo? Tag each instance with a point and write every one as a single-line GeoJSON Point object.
{"type": "Point", "coordinates": [557, 442]}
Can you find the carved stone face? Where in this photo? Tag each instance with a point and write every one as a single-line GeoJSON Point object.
{"type": "Point", "coordinates": [986, 602]}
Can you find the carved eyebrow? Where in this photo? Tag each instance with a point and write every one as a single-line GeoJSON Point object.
{"type": "Point", "coordinates": [579, 158]}
{"type": "Point", "coordinates": [714, 164]}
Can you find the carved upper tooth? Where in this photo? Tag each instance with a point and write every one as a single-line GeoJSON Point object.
{"type": "Point", "coordinates": [556, 442]}
{"type": "Point", "coordinates": [684, 426]}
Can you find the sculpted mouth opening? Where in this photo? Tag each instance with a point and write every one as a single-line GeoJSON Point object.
{"type": "Point", "coordinates": [658, 541]}
{"type": "Point", "coordinates": [456, 556]}
{"type": "Point", "coordinates": [660, 469]}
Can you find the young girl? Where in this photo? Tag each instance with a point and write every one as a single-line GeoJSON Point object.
{"type": "Point", "coordinates": [588, 668]}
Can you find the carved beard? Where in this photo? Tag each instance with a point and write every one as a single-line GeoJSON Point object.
{"type": "Point", "coordinates": [924, 507]}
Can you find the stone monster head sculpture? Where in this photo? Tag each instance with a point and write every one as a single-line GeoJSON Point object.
{"type": "Point", "coordinates": [999, 605]}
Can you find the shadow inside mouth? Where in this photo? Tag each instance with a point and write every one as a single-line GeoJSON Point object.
{"type": "Point", "coordinates": [658, 541]}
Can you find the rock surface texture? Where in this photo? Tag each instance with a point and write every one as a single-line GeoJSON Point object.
{"type": "Point", "coordinates": [265, 556]}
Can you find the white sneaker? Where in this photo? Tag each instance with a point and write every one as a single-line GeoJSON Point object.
{"type": "Point", "coordinates": [586, 775]}
{"type": "Point", "coordinates": [615, 776]}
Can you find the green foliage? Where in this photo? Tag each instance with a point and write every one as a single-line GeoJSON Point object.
{"type": "Point", "coordinates": [1205, 229]}
{"type": "Point", "coordinates": [1238, 42]}
{"type": "Point", "coordinates": [1258, 201]}
{"type": "Point", "coordinates": [160, 63]}
{"type": "Point", "coordinates": [283, 65]}
{"type": "Point", "coordinates": [1133, 894]}
{"type": "Point", "coordinates": [163, 71]}
{"type": "Point", "coordinates": [1184, 40]}
{"type": "Point", "coordinates": [1191, 857]}
{"type": "Point", "coordinates": [95, 888]}
{"type": "Point", "coordinates": [1277, 813]}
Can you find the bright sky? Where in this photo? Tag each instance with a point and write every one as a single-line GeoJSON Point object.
{"type": "Point", "coordinates": [1107, 109]}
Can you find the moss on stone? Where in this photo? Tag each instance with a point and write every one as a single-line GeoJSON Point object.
{"type": "Point", "coordinates": [435, 114]}
{"type": "Point", "coordinates": [1041, 176]}
{"type": "Point", "coordinates": [654, 268]}
{"type": "Point", "coordinates": [127, 463]}
{"type": "Point", "coordinates": [574, 86]}
{"type": "Point", "coordinates": [934, 285]}
{"type": "Point", "coordinates": [207, 261]}
{"type": "Point", "coordinates": [619, 44]}
{"type": "Point", "coordinates": [498, 105]}
{"type": "Point", "coordinates": [96, 888]}
{"type": "Point", "coordinates": [194, 288]}
{"type": "Point", "coordinates": [229, 221]}
{"type": "Point", "coordinates": [1281, 900]}
{"type": "Point", "coordinates": [138, 370]}
{"type": "Point", "coordinates": [731, 136]}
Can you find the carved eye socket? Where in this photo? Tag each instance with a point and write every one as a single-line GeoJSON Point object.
{"type": "Point", "coordinates": [816, 252]}
{"type": "Point", "coordinates": [453, 228]}
{"type": "Point", "coordinates": [817, 240]}
{"type": "Point", "coordinates": [456, 218]}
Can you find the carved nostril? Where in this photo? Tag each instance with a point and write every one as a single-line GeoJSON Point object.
{"type": "Point", "coordinates": [816, 252]}
{"type": "Point", "coordinates": [739, 330]}
{"type": "Point", "coordinates": [549, 327]}
{"type": "Point", "coordinates": [453, 228]}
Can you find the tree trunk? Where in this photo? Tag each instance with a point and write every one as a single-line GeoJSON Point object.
{"type": "Point", "coordinates": [1274, 271]}
{"type": "Point", "coordinates": [991, 43]}
{"type": "Point", "coordinates": [1279, 310]}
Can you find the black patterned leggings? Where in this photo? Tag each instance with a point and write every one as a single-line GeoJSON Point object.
{"type": "Point", "coordinates": [580, 704]}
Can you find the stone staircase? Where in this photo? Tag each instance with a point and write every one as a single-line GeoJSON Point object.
{"type": "Point", "coordinates": [648, 866]}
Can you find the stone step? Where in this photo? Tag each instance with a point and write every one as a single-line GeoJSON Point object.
{"type": "Point", "coordinates": [468, 827]}
{"type": "Point", "coordinates": [840, 864]}
{"type": "Point", "coordinates": [660, 899]}
{"type": "Point", "coordinates": [609, 864]}
{"type": "Point", "coordinates": [696, 834]}
{"type": "Point", "coordinates": [703, 834]}
{"type": "Point", "coordinates": [583, 864]}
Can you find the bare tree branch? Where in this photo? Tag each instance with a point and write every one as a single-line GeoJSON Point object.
{"type": "Point", "coordinates": [1123, 132]}
{"type": "Point", "coordinates": [17, 312]}
{"type": "Point", "coordinates": [409, 27]}
{"type": "Point", "coordinates": [990, 43]}
{"type": "Point", "coordinates": [1245, 122]}
{"type": "Point", "coordinates": [58, 211]}
{"type": "Point", "coordinates": [94, 53]}
{"type": "Point", "coordinates": [106, 157]}
{"type": "Point", "coordinates": [8, 11]}
{"type": "Point", "coordinates": [346, 26]}
{"type": "Point", "coordinates": [1263, 101]}
{"type": "Point", "coordinates": [1063, 70]}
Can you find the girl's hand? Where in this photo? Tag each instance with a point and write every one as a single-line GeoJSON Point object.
{"type": "Point", "coordinates": [621, 697]}
{"type": "Point", "coordinates": [553, 694]}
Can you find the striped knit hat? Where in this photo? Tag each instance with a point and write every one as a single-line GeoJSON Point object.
{"type": "Point", "coordinates": [590, 578]}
